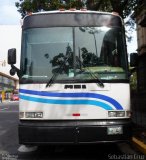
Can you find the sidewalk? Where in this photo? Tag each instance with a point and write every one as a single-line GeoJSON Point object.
{"type": "Point", "coordinates": [138, 107]}
{"type": "Point", "coordinates": [7, 100]}
{"type": "Point", "coordinates": [139, 140]}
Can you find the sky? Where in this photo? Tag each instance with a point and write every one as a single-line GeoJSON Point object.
{"type": "Point", "coordinates": [8, 13]}
{"type": "Point", "coordinates": [10, 16]}
{"type": "Point", "coordinates": [10, 32]}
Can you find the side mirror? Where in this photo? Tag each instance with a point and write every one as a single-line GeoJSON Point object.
{"type": "Point", "coordinates": [12, 61]}
{"type": "Point", "coordinates": [12, 56]}
{"type": "Point", "coordinates": [133, 59]}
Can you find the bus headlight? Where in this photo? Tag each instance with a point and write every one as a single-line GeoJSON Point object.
{"type": "Point", "coordinates": [116, 113]}
{"type": "Point", "coordinates": [112, 130]}
{"type": "Point", "coordinates": [33, 114]}
{"type": "Point", "coordinates": [120, 113]}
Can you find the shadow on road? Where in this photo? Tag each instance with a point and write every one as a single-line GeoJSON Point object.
{"type": "Point", "coordinates": [81, 152]}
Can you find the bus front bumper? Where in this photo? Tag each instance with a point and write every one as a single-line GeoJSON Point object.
{"type": "Point", "coordinates": [74, 132]}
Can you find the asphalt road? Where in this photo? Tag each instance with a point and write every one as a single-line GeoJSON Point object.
{"type": "Point", "coordinates": [9, 144]}
{"type": "Point", "coordinates": [8, 127]}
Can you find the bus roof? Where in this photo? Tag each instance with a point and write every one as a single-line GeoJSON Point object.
{"type": "Point", "coordinates": [75, 11]}
{"type": "Point", "coordinates": [66, 18]}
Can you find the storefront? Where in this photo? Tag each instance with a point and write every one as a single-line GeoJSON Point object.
{"type": "Point", "coordinates": [8, 85]}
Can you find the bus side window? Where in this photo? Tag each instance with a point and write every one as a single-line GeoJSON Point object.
{"type": "Point", "coordinates": [109, 50]}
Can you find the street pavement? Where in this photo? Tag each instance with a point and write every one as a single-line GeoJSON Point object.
{"type": "Point", "coordinates": [9, 144]}
{"type": "Point", "coordinates": [8, 127]}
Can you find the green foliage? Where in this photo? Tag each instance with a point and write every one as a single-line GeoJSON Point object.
{"type": "Point", "coordinates": [65, 60]}
{"type": "Point", "coordinates": [123, 7]}
{"type": "Point", "coordinates": [133, 81]}
{"type": "Point", "coordinates": [89, 59]}
{"type": "Point", "coordinates": [25, 6]}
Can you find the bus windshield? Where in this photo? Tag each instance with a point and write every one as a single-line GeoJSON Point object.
{"type": "Point", "coordinates": [74, 53]}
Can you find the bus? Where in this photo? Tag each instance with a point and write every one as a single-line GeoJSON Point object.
{"type": "Point", "coordinates": [74, 78]}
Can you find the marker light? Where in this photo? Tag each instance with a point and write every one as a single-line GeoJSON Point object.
{"type": "Point", "coordinates": [21, 115]}
{"type": "Point", "coordinates": [115, 13]}
{"type": "Point", "coordinates": [72, 9]}
{"type": "Point", "coordinates": [83, 9]}
{"type": "Point", "coordinates": [128, 113]}
{"type": "Point", "coordinates": [61, 9]}
{"type": "Point", "coordinates": [29, 13]}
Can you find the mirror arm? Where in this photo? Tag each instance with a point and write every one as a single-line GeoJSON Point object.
{"type": "Point", "coordinates": [133, 69]}
{"type": "Point", "coordinates": [16, 69]}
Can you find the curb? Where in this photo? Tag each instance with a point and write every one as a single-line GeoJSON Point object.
{"type": "Point", "coordinates": [6, 101]}
{"type": "Point", "coordinates": [139, 145]}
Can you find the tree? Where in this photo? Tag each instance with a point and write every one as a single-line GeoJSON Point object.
{"type": "Point", "coordinates": [25, 6]}
{"type": "Point", "coordinates": [123, 7]}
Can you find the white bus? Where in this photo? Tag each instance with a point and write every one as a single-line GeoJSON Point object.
{"type": "Point", "coordinates": [74, 83]}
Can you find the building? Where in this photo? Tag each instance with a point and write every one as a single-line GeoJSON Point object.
{"type": "Point", "coordinates": [8, 85]}
{"type": "Point", "coordinates": [140, 15]}
{"type": "Point", "coordinates": [10, 37]}
{"type": "Point", "coordinates": [139, 100]}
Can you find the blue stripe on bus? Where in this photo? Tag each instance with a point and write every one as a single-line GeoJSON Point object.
{"type": "Point", "coordinates": [67, 102]}
{"type": "Point", "coordinates": [74, 95]}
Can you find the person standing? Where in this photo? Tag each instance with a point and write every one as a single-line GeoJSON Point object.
{"type": "Point", "coordinates": [1, 98]}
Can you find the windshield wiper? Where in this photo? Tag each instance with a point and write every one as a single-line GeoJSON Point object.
{"type": "Point", "coordinates": [95, 77]}
{"type": "Point", "coordinates": [91, 73]}
{"type": "Point", "coordinates": [52, 79]}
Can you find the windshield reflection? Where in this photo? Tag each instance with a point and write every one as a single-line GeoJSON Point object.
{"type": "Point", "coordinates": [73, 53]}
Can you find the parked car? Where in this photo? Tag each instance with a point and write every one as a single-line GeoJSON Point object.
{"type": "Point", "coordinates": [15, 97]}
